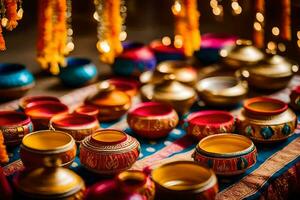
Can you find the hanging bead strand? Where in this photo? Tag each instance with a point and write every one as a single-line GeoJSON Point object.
{"type": "Point", "coordinates": [236, 8]}
{"type": "Point", "coordinates": [286, 20]}
{"type": "Point", "coordinates": [258, 32]}
{"type": "Point", "coordinates": [70, 44]}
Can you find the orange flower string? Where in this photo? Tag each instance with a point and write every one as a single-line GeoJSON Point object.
{"type": "Point", "coordinates": [3, 154]}
{"type": "Point", "coordinates": [11, 14]}
{"type": "Point", "coordinates": [2, 41]}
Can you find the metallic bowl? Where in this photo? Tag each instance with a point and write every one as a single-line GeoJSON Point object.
{"type": "Point", "coordinates": [227, 154]}
{"type": "Point", "coordinates": [272, 73]}
{"type": "Point", "coordinates": [221, 90]}
{"type": "Point", "coordinates": [112, 103]}
{"type": "Point", "coordinates": [23, 102]}
{"type": "Point", "coordinates": [266, 120]}
{"type": "Point", "coordinates": [152, 119]}
{"type": "Point", "coordinates": [40, 112]}
{"type": "Point", "coordinates": [77, 125]}
{"type": "Point", "coordinates": [295, 98]}
{"type": "Point", "coordinates": [109, 151]}
{"type": "Point", "coordinates": [14, 126]}
{"type": "Point", "coordinates": [38, 145]}
{"type": "Point", "coordinates": [125, 85]}
{"type": "Point", "coordinates": [243, 54]}
{"type": "Point", "coordinates": [49, 182]}
{"type": "Point", "coordinates": [184, 180]}
{"type": "Point", "coordinates": [78, 72]}
{"type": "Point", "coordinates": [209, 122]}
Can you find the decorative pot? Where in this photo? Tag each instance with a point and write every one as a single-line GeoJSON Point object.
{"type": "Point", "coordinates": [227, 154]}
{"type": "Point", "coordinates": [87, 110]}
{"type": "Point", "coordinates": [112, 103]}
{"type": "Point", "coordinates": [211, 43]}
{"type": "Point", "coordinates": [38, 145]}
{"type": "Point", "coordinates": [77, 125]}
{"type": "Point", "coordinates": [41, 112]}
{"type": "Point", "coordinates": [152, 119]}
{"type": "Point", "coordinates": [184, 180]}
{"type": "Point", "coordinates": [204, 123]}
{"type": "Point", "coordinates": [78, 72]}
{"type": "Point", "coordinates": [15, 80]}
{"type": "Point", "coordinates": [295, 98]}
{"type": "Point", "coordinates": [49, 182]}
{"type": "Point", "coordinates": [243, 54]}
{"type": "Point", "coordinates": [125, 85]}
{"type": "Point", "coordinates": [132, 181]}
{"type": "Point", "coordinates": [266, 120]}
{"type": "Point", "coordinates": [14, 125]}
{"type": "Point", "coordinates": [31, 99]}
{"type": "Point", "coordinates": [109, 151]}
{"type": "Point", "coordinates": [170, 91]}
{"type": "Point", "coordinates": [221, 90]}
{"type": "Point", "coordinates": [165, 52]}
{"type": "Point", "coordinates": [184, 73]}
{"type": "Point", "coordinates": [272, 73]}
{"type": "Point", "coordinates": [135, 59]}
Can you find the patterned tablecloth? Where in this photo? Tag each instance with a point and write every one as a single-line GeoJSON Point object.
{"type": "Point", "coordinates": [275, 175]}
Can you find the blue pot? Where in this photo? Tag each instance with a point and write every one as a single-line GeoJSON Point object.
{"type": "Point", "coordinates": [78, 72]}
{"type": "Point", "coordinates": [135, 59]}
{"type": "Point", "coordinates": [14, 75]}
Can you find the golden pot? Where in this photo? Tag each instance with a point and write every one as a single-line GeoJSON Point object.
{"type": "Point", "coordinates": [221, 90]}
{"type": "Point", "coordinates": [184, 180]}
{"type": "Point", "coordinates": [241, 55]}
{"type": "Point", "coordinates": [50, 182]}
{"type": "Point", "coordinates": [295, 98]}
{"type": "Point", "coordinates": [274, 72]}
{"type": "Point", "coordinates": [170, 91]}
{"type": "Point", "coordinates": [112, 103]}
{"type": "Point", "coordinates": [38, 145]}
{"type": "Point", "coordinates": [184, 73]}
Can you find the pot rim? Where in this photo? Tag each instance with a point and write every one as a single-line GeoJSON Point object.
{"type": "Point", "coordinates": [55, 121]}
{"type": "Point", "coordinates": [23, 101]}
{"type": "Point", "coordinates": [19, 123]}
{"type": "Point", "coordinates": [150, 106]}
{"type": "Point", "coordinates": [85, 110]}
{"type": "Point", "coordinates": [124, 138]}
{"type": "Point", "coordinates": [129, 174]}
{"type": "Point", "coordinates": [39, 104]}
{"type": "Point", "coordinates": [204, 113]}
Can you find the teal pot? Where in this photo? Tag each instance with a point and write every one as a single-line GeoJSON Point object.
{"type": "Point", "coordinates": [78, 72]}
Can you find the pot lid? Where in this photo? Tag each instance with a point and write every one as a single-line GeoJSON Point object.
{"type": "Point", "coordinates": [50, 180]}
{"type": "Point", "coordinates": [170, 89]}
{"type": "Point", "coordinates": [243, 51]}
{"type": "Point", "coordinates": [109, 96]}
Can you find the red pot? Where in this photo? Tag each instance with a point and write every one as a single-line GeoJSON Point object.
{"type": "Point", "coordinates": [88, 110]}
{"type": "Point", "coordinates": [295, 98]}
{"type": "Point", "coordinates": [30, 99]}
{"type": "Point", "coordinates": [204, 123]}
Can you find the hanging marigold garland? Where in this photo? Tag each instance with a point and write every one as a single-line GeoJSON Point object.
{"type": "Point", "coordinates": [187, 32]}
{"type": "Point", "coordinates": [109, 16]}
{"type": "Point", "coordinates": [10, 12]}
{"type": "Point", "coordinates": [52, 46]}
{"type": "Point", "coordinates": [3, 153]}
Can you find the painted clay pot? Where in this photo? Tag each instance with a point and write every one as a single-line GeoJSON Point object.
{"type": "Point", "coordinates": [184, 73]}
{"type": "Point", "coordinates": [125, 85]}
{"type": "Point", "coordinates": [184, 180]}
{"type": "Point", "coordinates": [227, 154]}
{"type": "Point", "coordinates": [49, 182]}
{"type": "Point", "coordinates": [38, 145]}
{"type": "Point", "coordinates": [112, 103]}
{"type": "Point", "coordinates": [211, 44]}
{"type": "Point", "coordinates": [87, 110]}
{"type": "Point", "coordinates": [166, 52]}
{"type": "Point", "coordinates": [272, 73]}
{"type": "Point", "coordinates": [170, 91]}
{"type": "Point", "coordinates": [109, 151]}
{"type": "Point", "coordinates": [15, 80]}
{"type": "Point", "coordinates": [295, 98]}
{"type": "Point", "coordinates": [78, 72]}
{"type": "Point", "coordinates": [221, 90]}
{"type": "Point", "coordinates": [135, 59]}
{"type": "Point", "coordinates": [204, 123]}
{"type": "Point", "coordinates": [152, 119]}
{"type": "Point", "coordinates": [109, 190]}
{"type": "Point", "coordinates": [31, 99]}
{"type": "Point", "coordinates": [265, 119]}
{"type": "Point", "coordinates": [132, 181]}
{"type": "Point", "coordinates": [14, 125]}
{"type": "Point", "coordinates": [41, 112]}
{"type": "Point", "coordinates": [243, 54]}
{"type": "Point", "coordinates": [77, 125]}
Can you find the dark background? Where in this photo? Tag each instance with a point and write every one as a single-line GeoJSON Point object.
{"type": "Point", "coordinates": [147, 20]}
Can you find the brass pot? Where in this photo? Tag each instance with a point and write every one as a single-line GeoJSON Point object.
{"type": "Point", "coordinates": [221, 90]}
{"type": "Point", "coordinates": [184, 73]}
{"type": "Point", "coordinates": [50, 182]}
{"type": "Point", "coordinates": [170, 91]}
{"type": "Point", "coordinates": [241, 55]}
{"type": "Point", "coordinates": [112, 103]}
{"type": "Point", "coordinates": [274, 72]}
